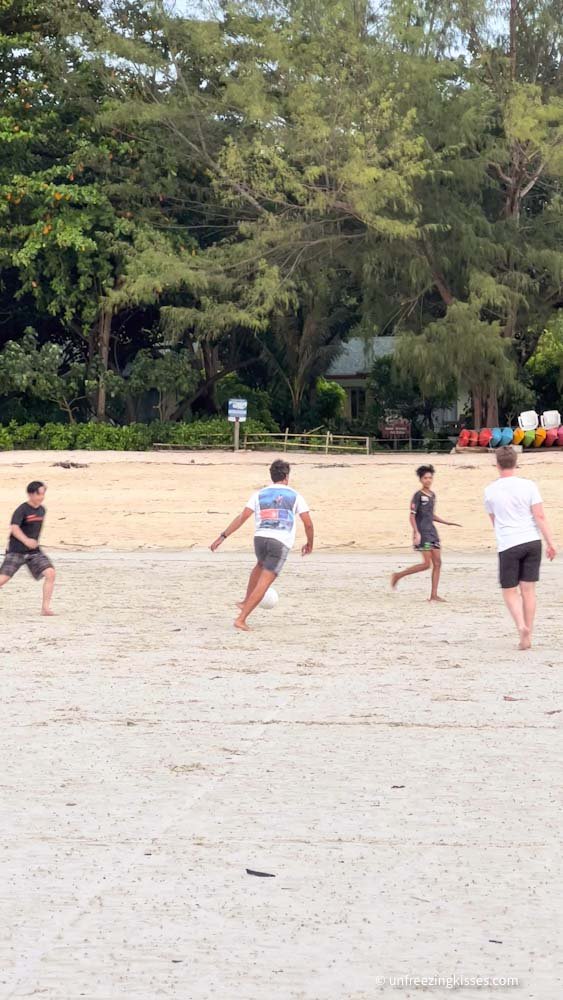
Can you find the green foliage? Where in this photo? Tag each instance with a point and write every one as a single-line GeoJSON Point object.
{"type": "Point", "coordinates": [545, 367]}
{"type": "Point", "coordinates": [330, 402]}
{"type": "Point", "coordinates": [215, 432]}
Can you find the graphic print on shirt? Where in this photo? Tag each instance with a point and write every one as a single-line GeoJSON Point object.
{"type": "Point", "coordinates": [277, 508]}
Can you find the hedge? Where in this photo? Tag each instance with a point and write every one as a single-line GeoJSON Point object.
{"type": "Point", "coordinates": [215, 432]}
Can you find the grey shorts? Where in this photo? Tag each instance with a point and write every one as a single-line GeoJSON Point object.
{"type": "Point", "coordinates": [37, 562]}
{"type": "Point", "coordinates": [270, 553]}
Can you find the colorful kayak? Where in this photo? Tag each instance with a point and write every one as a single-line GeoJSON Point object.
{"type": "Point", "coordinates": [540, 437]}
{"type": "Point", "coordinates": [496, 436]}
{"type": "Point", "coordinates": [507, 436]}
{"type": "Point", "coordinates": [560, 437]}
{"type": "Point", "coordinates": [485, 437]}
{"type": "Point", "coordinates": [473, 439]}
{"type": "Point", "coordinates": [518, 436]}
{"type": "Point", "coordinates": [463, 439]}
{"type": "Point", "coordinates": [551, 437]}
{"type": "Point", "coordinates": [529, 439]}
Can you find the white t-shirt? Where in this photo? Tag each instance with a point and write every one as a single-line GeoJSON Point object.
{"type": "Point", "coordinates": [275, 510]}
{"type": "Point", "coordinates": [510, 499]}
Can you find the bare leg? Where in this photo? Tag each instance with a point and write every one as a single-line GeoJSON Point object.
{"type": "Point", "coordinates": [418, 568]}
{"type": "Point", "coordinates": [48, 585]}
{"type": "Point", "coordinates": [513, 601]}
{"type": "Point", "coordinates": [4, 580]}
{"type": "Point", "coordinates": [528, 591]}
{"type": "Point", "coordinates": [252, 581]}
{"type": "Point", "coordinates": [436, 569]}
{"type": "Point", "coordinates": [265, 580]}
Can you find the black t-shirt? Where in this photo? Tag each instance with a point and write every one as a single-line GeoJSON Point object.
{"type": "Point", "coordinates": [30, 520]}
{"type": "Point", "coordinates": [422, 506]}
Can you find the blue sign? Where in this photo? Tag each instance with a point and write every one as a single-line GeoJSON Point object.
{"type": "Point", "coordinates": [237, 409]}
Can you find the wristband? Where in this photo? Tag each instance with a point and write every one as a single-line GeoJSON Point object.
{"type": "Point", "coordinates": [222, 535]}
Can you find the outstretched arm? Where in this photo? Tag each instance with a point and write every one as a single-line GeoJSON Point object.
{"type": "Point", "coordinates": [541, 521]}
{"type": "Point", "coordinates": [233, 526]}
{"type": "Point", "coordinates": [440, 520]}
{"type": "Point", "coordinates": [310, 533]}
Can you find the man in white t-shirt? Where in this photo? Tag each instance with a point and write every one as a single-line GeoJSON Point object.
{"type": "Point", "coordinates": [275, 510]}
{"type": "Point", "coordinates": [516, 511]}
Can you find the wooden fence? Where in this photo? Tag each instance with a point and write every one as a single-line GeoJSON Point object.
{"type": "Point", "coordinates": [308, 441]}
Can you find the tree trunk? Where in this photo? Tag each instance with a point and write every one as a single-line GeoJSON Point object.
{"type": "Point", "coordinates": [491, 417]}
{"type": "Point", "coordinates": [477, 406]}
{"type": "Point", "coordinates": [103, 353]}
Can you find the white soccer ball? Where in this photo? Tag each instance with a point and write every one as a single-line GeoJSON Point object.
{"type": "Point", "coordinates": [270, 599]}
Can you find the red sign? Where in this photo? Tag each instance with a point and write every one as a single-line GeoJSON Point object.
{"type": "Point", "coordinates": [396, 427]}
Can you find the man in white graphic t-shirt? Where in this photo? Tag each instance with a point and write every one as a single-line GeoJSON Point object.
{"type": "Point", "coordinates": [516, 511]}
{"type": "Point", "coordinates": [275, 510]}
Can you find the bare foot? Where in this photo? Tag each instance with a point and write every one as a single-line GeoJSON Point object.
{"type": "Point", "coordinates": [240, 623]}
{"type": "Point", "coordinates": [439, 600]}
{"type": "Point", "coordinates": [525, 638]}
{"type": "Point", "coordinates": [394, 581]}
{"type": "Point", "coordinates": [47, 613]}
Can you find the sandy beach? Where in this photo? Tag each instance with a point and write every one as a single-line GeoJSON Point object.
{"type": "Point", "coordinates": [396, 766]}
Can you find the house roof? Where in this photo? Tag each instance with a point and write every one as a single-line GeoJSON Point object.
{"type": "Point", "coordinates": [357, 356]}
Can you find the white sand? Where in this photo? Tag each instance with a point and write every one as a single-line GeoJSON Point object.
{"type": "Point", "coordinates": [151, 753]}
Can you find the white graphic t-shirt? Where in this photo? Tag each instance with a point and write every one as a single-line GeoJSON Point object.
{"type": "Point", "coordinates": [275, 510]}
{"type": "Point", "coordinates": [510, 499]}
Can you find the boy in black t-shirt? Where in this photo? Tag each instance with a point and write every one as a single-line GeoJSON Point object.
{"type": "Point", "coordinates": [425, 537]}
{"type": "Point", "coordinates": [23, 545]}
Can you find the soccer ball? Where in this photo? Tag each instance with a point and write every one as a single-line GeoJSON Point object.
{"type": "Point", "coordinates": [270, 599]}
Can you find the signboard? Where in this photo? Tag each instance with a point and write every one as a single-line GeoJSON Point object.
{"type": "Point", "coordinates": [237, 409]}
{"type": "Point", "coordinates": [396, 428]}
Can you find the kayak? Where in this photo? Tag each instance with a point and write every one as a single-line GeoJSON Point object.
{"type": "Point", "coordinates": [496, 437]}
{"type": "Point", "coordinates": [485, 437]}
{"type": "Point", "coordinates": [540, 437]}
{"type": "Point", "coordinates": [551, 437]}
{"type": "Point", "coordinates": [463, 439]}
{"type": "Point", "coordinates": [560, 437]}
{"type": "Point", "coordinates": [529, 439]}
{"type": "Point", "coordinates": [507, 436]}
{"type": "Point", "coordinates": [518, 436]}
{"type": "Point", "coordinates": [473, 439]}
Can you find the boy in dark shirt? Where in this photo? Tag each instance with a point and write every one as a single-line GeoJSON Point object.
{"type": "Point", "coordinates": [425, 536]}
{"type": "Point", "coordinates": [23, 545]}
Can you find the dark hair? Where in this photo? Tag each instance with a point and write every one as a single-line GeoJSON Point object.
{"type": "Point", "coordinates": [279, 470]}
{"type": "Point", "coordinates": [506, 457]}
{"type": "Point", "coordinates": [423, 469]}
{"type": "Point", "coordinates": [35, 486]}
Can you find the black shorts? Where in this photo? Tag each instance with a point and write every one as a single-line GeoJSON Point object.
{"type": "Point", "coordinates": [521, 563]}
{"type": "Point", "coordinates": [270, 553]}
{"type": "Point", "coordinates": [37, 562]}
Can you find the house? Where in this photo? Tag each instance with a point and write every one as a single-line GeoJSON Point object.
{"type": "Point", "coordinates": [351, 369]}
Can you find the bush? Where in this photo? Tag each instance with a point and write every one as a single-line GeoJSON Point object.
{"type": "Point", "coordinates": [215, 432]}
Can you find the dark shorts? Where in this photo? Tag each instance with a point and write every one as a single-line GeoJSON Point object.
{"type": "Point", "coordinates": [521, 563]}
{"type": "Point", "coordinates": [37, 562]}
{"type": "Point", "coordinates": [427, 544]}
{"type": "Point", "coordinates": [270, 553]}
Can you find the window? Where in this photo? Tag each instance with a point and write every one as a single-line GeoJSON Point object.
{"type": "Point", "coordinates": [357, 404]}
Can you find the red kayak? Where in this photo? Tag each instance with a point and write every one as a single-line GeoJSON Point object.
{"type": "Point", "coordinates": [551, 437]}
{"type": "Point", "coordinates": [463, 440]}
{"type": "Point", "coordinates": [485, 437]}
{"type": "Point", "coordinates": [560, 437]}
{"type": "Point", "coordinates": [473, 439]}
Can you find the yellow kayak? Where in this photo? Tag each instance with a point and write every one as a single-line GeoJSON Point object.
{"type": "Point", "coordinates": [541, 435]}
{"type": "Point", "coordinates": [518, 436]}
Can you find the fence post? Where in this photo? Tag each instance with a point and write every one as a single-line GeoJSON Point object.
{"type": "Point", "coordinates": [285, 439]}
{"type": "Point", "coordinates": [327, 442]}
{"type": "Point", "coordinates": [367, 446]}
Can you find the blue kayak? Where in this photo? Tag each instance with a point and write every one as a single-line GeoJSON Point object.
{"type": "Point", "coordinates": [507, 435]}
{"type": "Point", "coordinates": [496, 438]}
